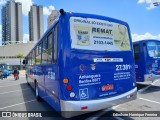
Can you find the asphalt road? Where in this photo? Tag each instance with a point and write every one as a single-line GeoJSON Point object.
{"type": "Point", "coordinates": [18, 96]}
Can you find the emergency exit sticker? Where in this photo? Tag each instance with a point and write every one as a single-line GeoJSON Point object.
{"type": "Point", "coordinates": [108, 60]}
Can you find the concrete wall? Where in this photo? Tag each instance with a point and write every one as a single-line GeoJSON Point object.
{"type": "Point", "coordinates": [8, 53]}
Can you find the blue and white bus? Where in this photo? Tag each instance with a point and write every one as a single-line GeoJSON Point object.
{"type": "Point", "coordinates": [83, 62]}
{"type": "Point", "coordinates": [147, 60]}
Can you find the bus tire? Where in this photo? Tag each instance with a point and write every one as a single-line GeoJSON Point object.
{"type": "Point", "coordinates": [27, 81]}
{"type": "Point", "coordinates": [37, 92]}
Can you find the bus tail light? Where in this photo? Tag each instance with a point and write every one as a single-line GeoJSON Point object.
{"type": "Point", "coordinates": [131, 95]}
{"type": "Point", "coordinates": [84, 108]}
{"type": "Point", "coordinates": [107, 57]}
{"type": "Point", "coordinates": [69, 87]}
{"type": "Point", "coordinates": [72, 94]}
{"type": "Point", "coordinates": [65, 80]}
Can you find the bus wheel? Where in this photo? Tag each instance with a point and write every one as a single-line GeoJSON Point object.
{"type": "Point", "coordinates": [37, 92]}
{"type": "Point", "coordinates": [27, 80]}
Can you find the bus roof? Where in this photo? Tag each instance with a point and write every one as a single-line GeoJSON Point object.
{"type": "Point", "coordinates": [145, 40]}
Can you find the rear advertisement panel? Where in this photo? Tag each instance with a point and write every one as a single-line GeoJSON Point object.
{"type": "Point", "coordinates": [100, 35]}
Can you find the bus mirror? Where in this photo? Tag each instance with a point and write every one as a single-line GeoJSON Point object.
{"type": "Point", "coordinates": [25, 62]}
{"type": "Point", "coordinates": [62, 12]}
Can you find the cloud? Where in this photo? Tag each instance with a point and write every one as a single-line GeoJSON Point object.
{"type": "Point", "coordinates": [0, 32]}
{"type": "Point", "coordinates": [48, 10]}
{"type": "Point", "coordinates": [141, 1]}
{"type": "Point", "coordinates": [137, 37]}
{"type": "Point", "coordinates": [151, 6]}
{"type": "Point", "coordinates": [25, 6]}
{"type": "Point", "coordinates": [149, 2]}
{"type": "Point", "coordinates": [2, 2]}
{"type": "Point", "coordinates": [25, 38]}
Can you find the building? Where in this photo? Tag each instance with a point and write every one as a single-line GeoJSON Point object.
{"type": "Point", "coordinates": [8, 53]}
{"type": "Point", "coordinates": [52, 17]}
{"type": "Point", "coordinates": [11, 22]}
{"type": "Point", "coordinates": [36, 23]}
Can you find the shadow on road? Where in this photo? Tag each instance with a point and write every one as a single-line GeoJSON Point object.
{"type": "Point", "coordinates": [46, 109]}
{"type": "Point", "coordinates": [151, 89]}
{"type": "Point", "coordinates": [32, 105]}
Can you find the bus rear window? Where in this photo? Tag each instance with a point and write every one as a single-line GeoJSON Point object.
{"type": "Point", "coordinates": [153, 49]}
{"type": "Point", "coordinates": [99, 35]}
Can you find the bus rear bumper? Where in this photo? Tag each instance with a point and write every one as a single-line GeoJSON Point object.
{"type": "Point", "coordinates": [151, 77]}
{"type": "Point", "coordinates": [74, 108]}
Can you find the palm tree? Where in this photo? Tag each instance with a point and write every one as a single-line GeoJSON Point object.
{"type": "Point", "coordinates": [20, 56]}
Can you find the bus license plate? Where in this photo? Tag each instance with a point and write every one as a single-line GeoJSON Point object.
{"type": "Point", "coordinates": [107, 87]}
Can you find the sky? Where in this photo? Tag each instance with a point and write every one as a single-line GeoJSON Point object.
{"type": "Point", "coordinates": [142, 17]}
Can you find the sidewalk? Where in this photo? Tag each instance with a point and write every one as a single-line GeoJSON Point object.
{"type": "Point", "coordinates": [22, 72]}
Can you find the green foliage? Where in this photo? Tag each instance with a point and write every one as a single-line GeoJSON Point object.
{"type": "Point", "coordinates": [20, 55]}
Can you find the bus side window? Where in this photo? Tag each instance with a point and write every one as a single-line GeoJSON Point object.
{"type": "Point", "coordinates": [55, 45]}
{"type": "Point", "coordinates": [136, 52]}
{"type": "Point", "coordinates": [38, 54]}
{"type": "Point", "coordinates": [49, 50]}
{"type": "Point", "coordinates": [30, 58]}
{"type": "Point", "coordinates": [144, 49]}
{"type": "Point", "coordinates": [33, 57]}
{"type": "Point", "coordinates": [44, 48]}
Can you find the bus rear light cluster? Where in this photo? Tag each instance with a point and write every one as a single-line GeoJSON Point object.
{"type": "Point", "coordinates": [69, 87]}
{"type": "Point", "coordinates": [65, 80]}
{"type": "Point", "coordinates": [72, 94]}
{"type": "Point", "coordinates": [107, 57]}
{"type": "Point", "coordinates": [54, 92]}
{"type": "Point", "coordinates": [84, 108]}
{"type": "Point", "coordinates": [131, 95]}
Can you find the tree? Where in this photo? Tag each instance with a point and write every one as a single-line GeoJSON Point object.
{"type": "Point", "coordinates": [20, 56]}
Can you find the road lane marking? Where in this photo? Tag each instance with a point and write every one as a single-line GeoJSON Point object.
{"type": "Point", "coordinates": [99, 114]}
{"type": "Point", "coordinates": [13, 77]}
{"type": "Point", "coordinates": [22, 82]}
{"type": "Point", "coordinates": [155, 89]}
{"type": "Point", "coordinates": [9, 85]}
{"type": "Point", "coordinates": [143, 89]}
{"type": "Point", "coordinates": [5, 81]}
{"type": "Point", "coordinates": [18, 104]}
{"type": "Point", "coordinates": [149, 100]}
{"type": "Point", "coordinates": [118, 118]}
{"type": "Point", "coordinates": [14, 91]}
